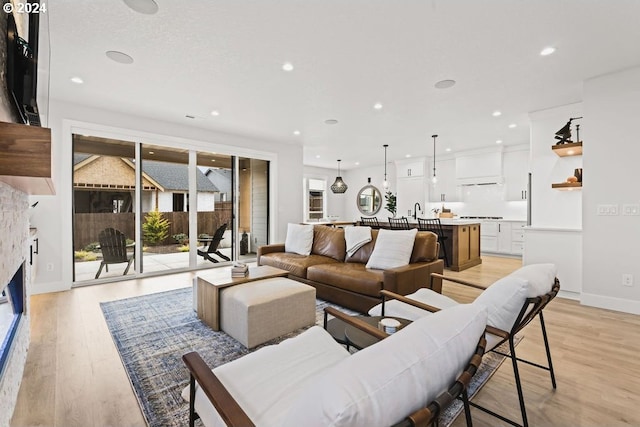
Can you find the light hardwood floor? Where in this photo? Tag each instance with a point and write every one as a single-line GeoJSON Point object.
{"type": "Point", "coordinates": [74, 376]}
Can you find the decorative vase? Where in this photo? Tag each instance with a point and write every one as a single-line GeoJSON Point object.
{"type": "Point", "coordinates": [578, 174]}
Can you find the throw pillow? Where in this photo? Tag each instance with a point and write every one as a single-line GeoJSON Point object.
{"type": "Point", "coordinates": [383, 383]}
{"type": "Point", "coordinates": [299, 239]}
{"type": "Point", "coordinates": [504, 300]}
{"type": "Point", "coordinates": [393, 249]}
{"type": "Point", "coordinates": [539, 276]}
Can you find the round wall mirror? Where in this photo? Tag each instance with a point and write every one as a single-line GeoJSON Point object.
{"type": "Point", "coordinates": [369, 200]}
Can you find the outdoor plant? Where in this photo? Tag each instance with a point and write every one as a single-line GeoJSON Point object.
{"type": "Point", "coordinates": [390, 198]}
{"type": "Point", "coordinates": [85, 256]}
{"type": "Point", "coordinates": [91, 247]}
{"type": "Point", "coordinates": [183, 248]}
{"type": "Point", "coordinates": [180, 238]}
{"type": "Point", "coordinates": [155, 228]}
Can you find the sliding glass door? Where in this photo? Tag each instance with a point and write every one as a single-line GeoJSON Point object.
{"type": "Point", "coordinates": [142, 208]}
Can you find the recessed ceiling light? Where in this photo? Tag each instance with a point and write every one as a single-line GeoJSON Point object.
{"type": "Point", "coordinates": [77, 80]}
{"type": "Point", "coordinates": [407, 155]}
{"type": "Point", "coordinates": [357, 163]}
{"type": "Point", "coordinates": [499, 141]}
{"type": "Point", "coordinates": [148, 7]}
{"type": "Point", "coordinates": [512, 125]}
{"type": "Point", "coordinates": [377, 106]}
{"type": "Point", "coordinates": [444, 84]}
{"type": "Point", "coordinates": [547, 51]}
{"type": "Point", "coordinates": [296, 132]}
{"type": "Point", "coordinates": [215, 113]}
{"type": "Point", "coordinates": [447, 149]}
{"type": "Point", "coordinates": [287, 66]}
{"type": "Point", "coordinates": [119, 57]}
{"type": "Point", "coordinates": [331, 122]}
{"type": "Point", "coordinates": [317, 156]}
{"type": "Point", "coordinates": [496, 113]}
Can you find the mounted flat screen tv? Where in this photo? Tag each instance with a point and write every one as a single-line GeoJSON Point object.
{"type": "Point", "coordinates": [22, 69]}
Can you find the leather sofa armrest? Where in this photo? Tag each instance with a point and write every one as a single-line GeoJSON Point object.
{"type": "Point", "coordinates": [409, 278]}
{"type": "Point", "coordinates": [276, 247]}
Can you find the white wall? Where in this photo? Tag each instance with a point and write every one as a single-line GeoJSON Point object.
{"type": "Point", "coordinates": [53, 218]}
{"type": "Point", "coordinates": [357, 178]}
{"type": "Point", "coordinates": [335, 202]}
{"type": "Point", "coordinates": [611, 244]}
{"type": "Point", "coordinates": [552, 207]}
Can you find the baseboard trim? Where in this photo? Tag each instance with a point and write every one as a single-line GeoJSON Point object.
{"type": "Point", "coordinates": [45, 288]}
{"type": "Point", "coordinates": [569, 295]}
{"type": "Point", "coordinates": [610, 303]}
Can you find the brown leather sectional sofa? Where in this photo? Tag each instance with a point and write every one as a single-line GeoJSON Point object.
{"type": "Point", "coordinates": [345, 280]}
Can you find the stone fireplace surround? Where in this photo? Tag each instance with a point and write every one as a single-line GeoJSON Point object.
{"type": "Point", "coordinates": [14, 250]}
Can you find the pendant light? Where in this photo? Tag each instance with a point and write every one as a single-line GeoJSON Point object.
{"type": "Point", "coordinates": [339, 186]}
{"type": "Point", "coordinates": [434, 179]}
{"type": "Point", "coordinates": [385, 183]}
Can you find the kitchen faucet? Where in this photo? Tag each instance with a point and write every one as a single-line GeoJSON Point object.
{"type": "Point", "coordinates": [415, 211]}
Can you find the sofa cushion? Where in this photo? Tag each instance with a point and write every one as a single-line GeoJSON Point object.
{"type": "Point", "coordinates": [349, 276]}
{"type": "Point", "coordinates": [363, 254]}
{"type": "Point", "coordinates": [393, 249]}
{"type": "Point", "coordinates": [425, 247]}
{"type": "Point", "coordinates": [329, 241]}
{"type": "Point", "coordinates": [299, 239]}
{"type": "Point", "coordinates": [382, 384]}
{"type": "Point", "coordinates": [296, 264]}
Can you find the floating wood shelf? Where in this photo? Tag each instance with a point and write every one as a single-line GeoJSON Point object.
{"type": "Point", "coordinates": [567, 186]}
{"type": "Point", "coordinates": [570, 149]}
{"type": "Point", "coordinates": [25, 163]}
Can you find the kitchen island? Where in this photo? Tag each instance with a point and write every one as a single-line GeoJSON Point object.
{"type": "Point", "coordinates": [462, 243]}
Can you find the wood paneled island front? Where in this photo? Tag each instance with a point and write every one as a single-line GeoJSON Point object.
{"type": "Point", "coordinates": [462, 244]}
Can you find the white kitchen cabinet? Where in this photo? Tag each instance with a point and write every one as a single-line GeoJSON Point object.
{"type": "Point", "coordinates": [503, 237]}
{"type": "Point", "coordinates": [410, 168]}
{"type": "Point", "coordinates": [516, 169]}
{"type": "Point", "coordinates": [445, 190]}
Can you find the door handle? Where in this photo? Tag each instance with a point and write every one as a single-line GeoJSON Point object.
{"type": "Point", "coordinates": [498, 228]}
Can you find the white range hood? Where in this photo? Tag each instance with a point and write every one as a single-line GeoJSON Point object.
{"type": "Point", "coordinates": [479, 168]}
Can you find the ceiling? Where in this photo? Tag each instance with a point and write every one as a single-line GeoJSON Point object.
{"type": "Point", "coordinates": [195, 56]}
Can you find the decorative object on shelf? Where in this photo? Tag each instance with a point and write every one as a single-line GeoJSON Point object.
{"type": "Point", "coordinates": [572, 179]}
{"type": "Point", "coordinates": [434, 179]}
{"type": "Point", "coordinates": [339, 186]}
{"type": "Point", "coordinates": [567, 186]}
{"type": "Point", "coordinates": [578, 174]}
{"type": "Point", "coordinates": [564, 134]}
{"type": "Point", "coordinates": [391, 206]}
{"type": "Point", "coordinates": [385, 183]}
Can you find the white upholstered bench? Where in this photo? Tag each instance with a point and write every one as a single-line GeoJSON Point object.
{"type": "Point", "coordinates": [256, 312]}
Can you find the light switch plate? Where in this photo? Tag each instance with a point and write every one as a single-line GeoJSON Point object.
{"type": "Point", "coordinates": [630, 209]}
{"type": "Point", "coordinates": [607, 210]}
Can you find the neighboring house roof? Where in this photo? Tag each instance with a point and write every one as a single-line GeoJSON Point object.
{"type": "Point", "coordinates": [169, 176]}
{"type": "Point", "coordinates": [221, 178]}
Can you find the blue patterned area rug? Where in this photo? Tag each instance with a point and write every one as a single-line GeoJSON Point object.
{"type": "Point", "coordinates": [152, 332]}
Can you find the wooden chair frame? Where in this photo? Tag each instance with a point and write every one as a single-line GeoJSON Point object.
{"type": "Point", "coordinates": [531, 309]}
{"type": "Point", "coordinates": [234, 416]}
{"type": "Point", "coordinates": [113, 245]}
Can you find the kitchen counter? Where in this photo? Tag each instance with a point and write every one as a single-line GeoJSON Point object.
{"type": "Point", "coordinates": [462, 243]}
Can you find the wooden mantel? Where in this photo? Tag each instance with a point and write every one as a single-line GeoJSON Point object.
{"type": "Point", "coordinates": [25, 158]}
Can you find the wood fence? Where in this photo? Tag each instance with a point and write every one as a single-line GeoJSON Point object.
{"type": "Point", "coordinates": [87, 226]}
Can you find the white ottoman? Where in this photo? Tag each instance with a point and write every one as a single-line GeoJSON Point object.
{"type": "Point", "coordinates": [259, 311]}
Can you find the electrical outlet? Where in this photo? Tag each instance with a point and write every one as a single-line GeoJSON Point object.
{"type": "Point", "coordinates": [627, 280]}
{"type": "Point", "coordinates": [630, 209]}
{"type": "Point", "coordinates": [49, 266]}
